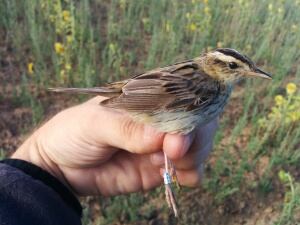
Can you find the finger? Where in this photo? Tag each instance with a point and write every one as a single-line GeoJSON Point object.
{"type": "Point", "coordinates": [176, 146]}
{"type": "Point", "coordinates": [188, 151]}
{"type": "Point", "coordinates": [194, 157]}
{"type": "Point", "coordinates": [124, 173]}
{"type": "Point", "coordinates": [157, 158]}
{"type": "Point", "coordinates": [188, 178]}
{"type": "Point", "coordinates": [119, 130]}
{"type": "Point", "coordinates": [200, 147]}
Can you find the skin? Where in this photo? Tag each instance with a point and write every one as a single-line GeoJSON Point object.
{"type": "Point", "coordinates": [99, 151]}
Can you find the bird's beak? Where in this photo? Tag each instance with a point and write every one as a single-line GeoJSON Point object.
{"type": "Point", "coordinates": [259, 73]}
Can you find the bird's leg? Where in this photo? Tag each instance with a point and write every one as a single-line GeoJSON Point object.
{"type": "Point", "coordinates": [168, 188]}
{"type": "Point", "coordinates": [173, 173]}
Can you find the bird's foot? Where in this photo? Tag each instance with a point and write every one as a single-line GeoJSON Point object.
{"type": "Point", "coordinates": [169, 178]}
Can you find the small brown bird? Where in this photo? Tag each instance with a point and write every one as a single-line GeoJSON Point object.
{"type": "Point", "coordinates": [179, 97]}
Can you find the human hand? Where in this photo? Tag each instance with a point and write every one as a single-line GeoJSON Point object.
{"type": "Point", "coordinates": [100, 151]}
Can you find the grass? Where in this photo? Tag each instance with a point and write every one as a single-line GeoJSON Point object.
{"type": "Point", "coordinates": [2, 154]}
{"type": "Point", "coordinates": [87, 43]}
{"type": "Point", "coordinates": [291, 199]}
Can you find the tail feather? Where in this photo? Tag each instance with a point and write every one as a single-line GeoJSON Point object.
{"type": "Point", "coordinates": [103, 91]}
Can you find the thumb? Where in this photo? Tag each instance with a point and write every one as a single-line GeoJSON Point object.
{"type": "Point", "coordinates": [118, 130]}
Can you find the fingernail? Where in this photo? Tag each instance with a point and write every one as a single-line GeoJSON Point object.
{"type": "Point", "coordinates": [162, 171]}
{"type": "Point", "coordinates": [157, 158]}
{"type": "Point", "coordinates": [187, 142]}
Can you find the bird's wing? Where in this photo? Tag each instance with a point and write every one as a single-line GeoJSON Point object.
{"type": "Point", "coordinates": [181, 86]}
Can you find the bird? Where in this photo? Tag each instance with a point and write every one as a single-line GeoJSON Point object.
{"type": "Point", "coordinates": [179, 97]}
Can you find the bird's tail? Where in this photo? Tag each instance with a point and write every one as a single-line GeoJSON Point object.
{"type": "Point", "coordinates": [103, 91]}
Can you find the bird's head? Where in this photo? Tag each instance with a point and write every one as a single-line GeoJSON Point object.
{"type": "Point", "coordinates": [229, 66]}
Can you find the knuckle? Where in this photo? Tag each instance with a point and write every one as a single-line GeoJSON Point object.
{"type": "Point", "coordinates": [127, 128]}
{"type": "Point", "coordinates": [129, 131]}
{"type": "Point", "coordinates": [194, 180]}
{"type": "Point", "coordinates": [189, 162]}
{"type": "Point", "coordinates": [139, 138]}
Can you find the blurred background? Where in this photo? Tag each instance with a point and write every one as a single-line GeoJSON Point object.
{"type": "Point", "coordinates": [253, 174]}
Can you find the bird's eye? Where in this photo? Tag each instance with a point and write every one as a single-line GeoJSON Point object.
{"type": "Point", "coordinates": [233, 65]}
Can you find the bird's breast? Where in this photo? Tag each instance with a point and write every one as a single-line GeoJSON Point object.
{"type": "Point", "coordinates": [183, 122]}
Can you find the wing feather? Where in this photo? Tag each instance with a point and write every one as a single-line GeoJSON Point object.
{"type": "Point", "coordinates": [181, 86]}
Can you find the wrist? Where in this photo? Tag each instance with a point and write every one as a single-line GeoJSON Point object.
{"type": "Point", "coordinates": [32, 151]}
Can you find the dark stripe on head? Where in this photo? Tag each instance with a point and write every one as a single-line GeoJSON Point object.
{"type": "Point", "coordinates": [237, 55]}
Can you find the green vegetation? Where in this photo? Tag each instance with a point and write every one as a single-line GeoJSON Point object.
{"type": "Point", "coordinates": [2, 154]}
{"type": "Point", "coordinates": [87, 43]}
{"type": "Point", "coordinates": [291, 199]}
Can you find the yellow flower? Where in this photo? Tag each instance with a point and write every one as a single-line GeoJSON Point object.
{"type": "Point", "coordinates": [167, 26]}
{"type": "Point", "coordinates": [58, 30]}
{"type": "Point", "coordinates": [59, 48]}
{"type": "Point", "coordinates": [206, 10]}
{"type": "Point", "coordinates": [66, 15]}
{"type": "Point", "coordinates": [283, 176]}
{"type": "Point", "coordinates": [145, 21]}
{"type": "Point", "coordinates": [248, 47]}
{"type": "Point", "coordinates": [270, 115]}
{"type": "Point", "coordinates": [279, 100]}
{"type": "Point", "coordinates": [262, 122]}
{"type": "Point", "coordinates": [62, 74]}
{"type": "Point", "coordinates": [294, 27]}
{"type": "Point", "coordinates": [209, 48]}
{"type": "Point", "coordinates": [52, 18]}
{"type": "Point", "coordinates": [294, 116]}
{"type": "Point", "coordinates": [30, 68]}
{"type": "Point", "coordinates": [122, 4]}
{"type": "Point", "coordinates": [112, 48]}
{"type": "Point", "coordinates": [69, 38]}
{"type": "Point", "coordinates": [192, 27]}
{"type": "Point", "coordinates": [43, 5]}
{"type": "Point", "coordinates": [291, 88]}
{"type": "Point", "coordinates": [68, 66]}
{"type": "Point", "coordinates": [270, 7]}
